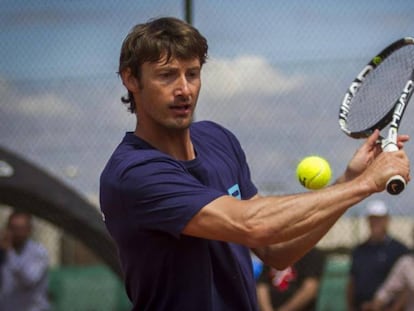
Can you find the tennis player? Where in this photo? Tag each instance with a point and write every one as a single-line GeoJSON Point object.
{"type": "Point", "coordinates": [178, 198]}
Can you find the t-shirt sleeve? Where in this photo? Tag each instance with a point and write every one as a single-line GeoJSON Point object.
{"type": "Point", "coordinates": [248, 189]}
{"type": "Point", "coordinates": [160, 195]}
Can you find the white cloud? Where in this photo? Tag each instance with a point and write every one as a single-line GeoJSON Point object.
{"type": "Point", "coordinates": [246, 75]}
{"type": "Point", "coordinates": [35, 105]}
{"type": "Point", "coordinates": [43, 105]}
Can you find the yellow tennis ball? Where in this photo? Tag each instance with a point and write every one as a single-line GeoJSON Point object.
{"type": "Point", "coordinates": [313, 172]}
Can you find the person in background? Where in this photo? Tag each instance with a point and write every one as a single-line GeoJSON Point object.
{"type": "Point", "coordinates": [23, 271]}
{"type": "Point", "coordinates": [399, 286]}
{"type": "Point", "coordinates": [372, 260]}
{"type": "Point", "coordinates": [294, 288]}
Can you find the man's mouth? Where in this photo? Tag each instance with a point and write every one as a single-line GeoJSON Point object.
{"type": "Point", "coordinates": [182, 108]}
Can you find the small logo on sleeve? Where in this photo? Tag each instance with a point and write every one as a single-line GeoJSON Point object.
{"type": "Point", "coordinates": [234, 191]}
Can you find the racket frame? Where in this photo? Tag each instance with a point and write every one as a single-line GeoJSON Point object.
{"type": "Point", "coordinates": [393, 117]}
{"type": "Point", "coordinates": [396, 184]}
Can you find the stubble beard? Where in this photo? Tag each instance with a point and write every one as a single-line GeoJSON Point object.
{"type": "Point", "coordinates": [181, 123]}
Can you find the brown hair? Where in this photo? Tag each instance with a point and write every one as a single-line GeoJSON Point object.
{"type": "Point", "coordinates": [161, 37]}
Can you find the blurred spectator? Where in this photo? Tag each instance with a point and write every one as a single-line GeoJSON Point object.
{"type": "Point", "coordinates": [400, 282]}
{"type": "Point", "coordinates": [373, 259]}
{"type": "Point", "coordinates": [399, 285]}
{"type": "Point", "coordinates": [295, 288]}
{"type": "Point", "coordinates": [24, 266]}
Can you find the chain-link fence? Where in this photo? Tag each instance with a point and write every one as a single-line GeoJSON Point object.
{"type": "Point", "coordinates": [276, 73]}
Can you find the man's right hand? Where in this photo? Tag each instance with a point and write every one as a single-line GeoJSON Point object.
{"type": "Point", "coordinates": [367, 155]}
{"type": "Point", "coordinates": [385, 166]}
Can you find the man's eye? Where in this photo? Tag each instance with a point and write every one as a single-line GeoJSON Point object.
{"type": "Point", "coordinates": [165, 74]}
{"type": "Point", "coordinates": [193, 74]}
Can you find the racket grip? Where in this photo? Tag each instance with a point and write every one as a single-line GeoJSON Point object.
{"type": "Point", "coordinates": [396, 184]}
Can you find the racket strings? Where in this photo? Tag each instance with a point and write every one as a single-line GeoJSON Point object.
{"type": "Point", "coordinates": [380, 90]}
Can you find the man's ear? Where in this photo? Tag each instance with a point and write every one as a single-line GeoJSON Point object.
{"type": "Point", "coordinates": [129, 80]}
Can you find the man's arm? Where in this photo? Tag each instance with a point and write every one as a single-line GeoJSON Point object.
{"type": "Point", "coordinates": [295, 222]}
{"type": "Point", "coordinates": [277, 254]}
{"type": "Point", "coordinates": [299, 220]}
{"type": "Point", "coordinates": [283, 254]}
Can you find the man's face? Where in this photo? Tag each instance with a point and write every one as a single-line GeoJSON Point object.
{"type": "Point", "coordinates": [168, 93]}
{"type": "Point", "coordinates": [20, 229]}
{"type": "Point", "coordinates": [378, 226]}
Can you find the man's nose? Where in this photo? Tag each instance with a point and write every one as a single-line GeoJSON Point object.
{"type": "Point", "coordinates": [182, 88]}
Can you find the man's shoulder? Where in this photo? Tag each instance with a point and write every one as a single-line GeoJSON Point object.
{"type": "Point", "coordinates": [212, 131]}
{"type": "Point", "coordinates": [131, 152]}
{"type": "Point", "coordinates": [208, 126]}
{"type": "Point", "coordinates": [134, 147]}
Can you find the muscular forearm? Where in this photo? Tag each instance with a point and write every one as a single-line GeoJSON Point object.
{"type": "Point", "coordinates": [298, 220]}
{"type": "Point", "coordinates": [281, 255]}
{"type": "Point", "coordinates": [281, 219]}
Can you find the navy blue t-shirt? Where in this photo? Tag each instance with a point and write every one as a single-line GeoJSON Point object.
{"type": "Point", "coordinates": [147, 198]}
{"type": "Point", "coordinates": [371, 263]}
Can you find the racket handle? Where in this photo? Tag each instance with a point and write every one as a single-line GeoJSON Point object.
{"type": "Point", "coordinates": [396, 184]}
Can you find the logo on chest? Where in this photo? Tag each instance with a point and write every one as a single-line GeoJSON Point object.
{"type": "Point", "coordinates": [234, 191]}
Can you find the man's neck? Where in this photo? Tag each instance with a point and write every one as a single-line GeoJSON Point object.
{"type": "Point", "coordinates": [176, 143]}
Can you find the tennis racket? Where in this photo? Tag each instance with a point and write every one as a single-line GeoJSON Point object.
{"type": "Point", "coordinates": [377, 99]}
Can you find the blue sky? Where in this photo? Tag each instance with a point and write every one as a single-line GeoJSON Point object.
{"type": "Point", "coordinates": [276, 75]}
